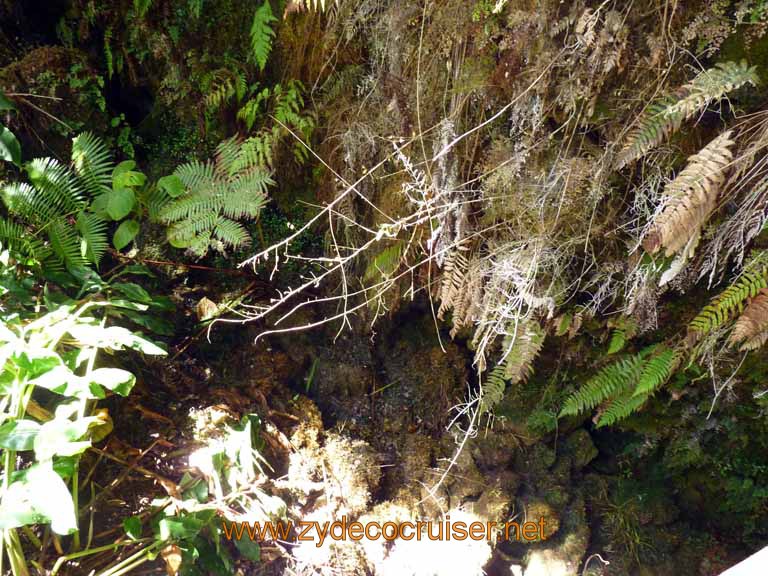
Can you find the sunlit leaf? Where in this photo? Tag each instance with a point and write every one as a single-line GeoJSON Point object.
{"type": "Point", "coordinates": [41, 497]}
{"type": "Point", "coordinates": [18, 434]}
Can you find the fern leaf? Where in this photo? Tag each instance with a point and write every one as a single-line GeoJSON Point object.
{"type": "Point", "coordinates": [93, 231]}
{"type": "Point", "coordinates": [196, 175]}
{"type": "Point", "coordinates": [22, 243]}
{"type": "Point", "coordinates": [606, 383]}
{"type": "Point", "coordinates": [217, 194]}
{"type": "Point", "coordinates": [262, 34]}
{"type": "Point", "coordinates": [664, 117]}
{"type": "Point", "coordinates": [732, 299]}
{"type": "Point", "coordinates": [93, 163]}
{"type": "Point", "coordinates": [521, 351]}
{"type": "Point", "coordinates": [231, 233]}
{"type": "Point", "coordinates": [54, 192]}
{"type": "Point", "coordinates": [492, 390]}
{"type": "Point", "coordinates": [691, 197]}
{"type": "Point", "coordinates": [620, 408]}
{"type": "Point", "coordinates": [657, 371]}
{"type": "Point", "coordinates": [65, 243]}
{"type": "Point", "coordinates": [618, 341]}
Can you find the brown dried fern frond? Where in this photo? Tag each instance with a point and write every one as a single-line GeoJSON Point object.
{"type": "Point", "coordinates": [751, 329]}
{"type": "Point", "coordinates": [691, 197]}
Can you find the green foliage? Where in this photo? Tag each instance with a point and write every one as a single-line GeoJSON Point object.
{"type": "Point", "coordinates": [54, 345]}
{"type": "Point", "coordinates": [211, 501]}
{"type": "Point", "coordinates": [285, 103]}
{"type": "Point", "coordinates": [385, 263]}
{"type": "Point", "coordinates": [217, 195]}
{"type": "Point", "coordinates": [493, 389]}
{"type": "Point", "coordinates": [10, 149]}
{"type": "Point", "coordinates": [519, 353]}
{"type": "Point", "coordinates": [262, 34]}
{"type": "Point", "coordinates": [730, 301]}
{"type": "Point", "coordinates": [71, 205]}
{"type": "Point", "coordinates": [624, 385]}
{"type": "Point", "coordinates": [665, 116]}
{"type": "Point", "coordinates": [224, 86]}
{"type": "Point", "coordinates": [623, 330]}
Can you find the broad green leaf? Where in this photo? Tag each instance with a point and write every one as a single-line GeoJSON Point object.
{"type": "Point", "coordinates": [127, 179]}
{"type": "Point", "coordinates": [132, 527]}
{"type": "Point", "coordinates": [18, 434]}
{"type": "Point", "coordinates": [41, 497]}
{"type": "Point", "coordinates": [152, 323]}
{"type": "Point", "coordinates": [115, 338]}
{"type": "Point", "coordinates": [6, 103]}
{"type": "Point", "coordinates": [171, 185]}
{"type": "Point", "coordinates": [125, 233]}
{"type": "Point", "coordinates": [65, 466]}
{"type": "Point", "coordinates": [249, 548]}
{"type": "Point", "coordinates": [115, 379]}
{"type": "Point", "coordinates": [180, 528]}
{"type": "Point", "coordinates": [163, 303]}
{"type": "Point", "coordinates": [123, 167]}
{"type": "Point", "coordinates": [99, 206]}
{"type": "Point", "coordinates": [120, 203]}
{"type": "Point", "coordinates": [45, 322]}
{"type": "Point", "coordinates": [10, 149]}
{"type": "Point", "coordinates": [133, 292]}
{"type": "Point", "coordinates": [36, 362]}
{"type": "Point", "coordinates": [62, 437]}
{"type": "Point", "coordinates": [56, 379]}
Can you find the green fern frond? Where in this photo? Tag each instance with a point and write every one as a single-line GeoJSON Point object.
{"type": "Point", "coordinates": [257, 150]}
{"type": "Point", "coordinates": [22, 243]}
{"type": "Point", "coordinates": [65, 243]}
{"type": "Point", "coordinates": [217, 194]}
{"type": "Point", "coordinates": [262, 34]}
{"type": "Point", "coordinates": [524, 349]}
{"type": "Point", "coordinates": [492, 390]}
{"type": "Point", "coordinates": [241, 206]}
{"type": "Point", "coordinates": [196, 175]}
{"type": "Point", "coordinates": [620, 408]}
{"type": "Point", "coordinates": [226, 157]}
{"type": "Point", "coordinates": [231, 233]}
{"type": "Point", "coordinates": [250, 111]}
{"type": "Point", "coordinates": [618, 341]}
{"type": "Point", "coordinates": [108, 58]}
{"type": "Point", "coordinates": [191, 206]}
{"type": "Point", "coordinates": [224, 85]}
{"type": "Point", "coordinates": [195, 7]}
{"type": "Point", "coordinates": [664, 117]}
{"type": "Point", "coordinates": [93, 163]}
{"type": "Point", "coordinates": [93, 231]}
{"type": "Point", "coordinates": [54, 192]}
{"type": "Point", "coordinates": [154, 200]}
{"type": "Point", "coordinates": [723, 307]}
{"type": "Point", "coordinates": [657, 371]}
{"type": "Point", "coordinates": [385, 263]}
{"type": "Point", "coordinates": [606, 383]}
{"type": "Point", "coordinates": [141, 7]}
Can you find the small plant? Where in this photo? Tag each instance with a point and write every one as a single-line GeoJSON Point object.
{"type": "Point", "coordinates": [207, 200]}
{"type": "Point", "coordinates": [625, 385]}
{"type": "Point", "coordinates": [53, 344]}
{"type": "Point", "coordinates": [71, 206]}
